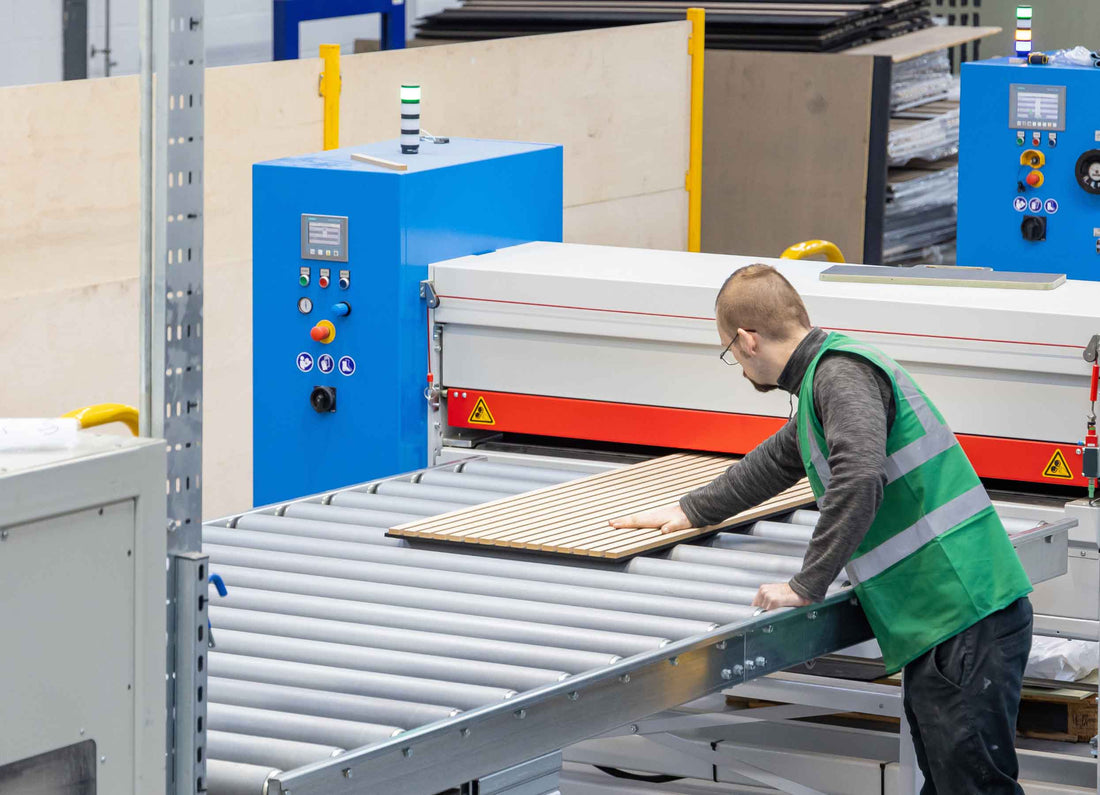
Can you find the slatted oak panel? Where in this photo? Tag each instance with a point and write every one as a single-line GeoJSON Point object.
{"type": "Point", "coordinates": [572, 518]}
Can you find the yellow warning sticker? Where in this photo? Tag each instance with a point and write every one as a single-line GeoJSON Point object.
{"type": "Point", "coordinates": [1056, 467]}
{"type": "Point", "coordinates": [481, 414]}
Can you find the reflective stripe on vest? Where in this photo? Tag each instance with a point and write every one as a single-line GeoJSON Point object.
{"type": "Point", "coordinates": [932, 525]}
{"type": "Point", "coordinates": [937, 437]}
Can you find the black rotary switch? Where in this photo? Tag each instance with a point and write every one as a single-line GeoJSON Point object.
{"type": "Point", "coordinates": [1034, 228]}
{"type": "Point", "coordinates": [1088, 171]}
{"type": "Point", "coordinates": [323, 399]}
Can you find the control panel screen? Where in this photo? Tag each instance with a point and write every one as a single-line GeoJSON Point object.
{"type": "Point", "coordinates": [322, 233]}
{"type": "Point", "coordinates": [1037, 108]}
{"type": "Point", "coordinates": [325, 237]}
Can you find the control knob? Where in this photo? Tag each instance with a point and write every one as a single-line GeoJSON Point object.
{"type": "Point", "coordinates": [1088, 171]}
{"type": "Point", "coordinates": [323, 399]}
{"type": "Point", "coordinates": [1034, 228]}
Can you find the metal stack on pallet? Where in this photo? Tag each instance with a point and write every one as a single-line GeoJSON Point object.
{"type": "Point", "coordinates": [806, 26]}
{"type": "Point", "coordinates": [923, 146]}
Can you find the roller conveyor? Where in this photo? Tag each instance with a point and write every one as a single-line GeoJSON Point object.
{"type": "Point", "coordinates": [342, 655]}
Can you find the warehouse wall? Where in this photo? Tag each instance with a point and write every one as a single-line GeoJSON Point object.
{"type": "Point", "coordinates": [69, 208]}
{"type": "Point", "coordinates": [237, 32]}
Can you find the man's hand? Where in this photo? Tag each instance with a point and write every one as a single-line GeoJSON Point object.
{"type": "Point", "coordinates": [775, 595]}
{"type": "Point", "coordinates": [668, 518]}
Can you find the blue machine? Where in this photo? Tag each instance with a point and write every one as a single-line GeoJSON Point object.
{"type": "Point", "coordinates": [287, 15]}
{"type": "Point", "coordinates": [339, 327]}
{"type": "Point", "coordinates": [1029, 168]}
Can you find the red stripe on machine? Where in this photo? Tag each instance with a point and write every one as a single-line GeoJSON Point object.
{"type": "Point", "coordinates": [712, 431]}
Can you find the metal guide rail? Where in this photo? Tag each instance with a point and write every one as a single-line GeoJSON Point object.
{"type": "Point", "coordinates": [345, 661]}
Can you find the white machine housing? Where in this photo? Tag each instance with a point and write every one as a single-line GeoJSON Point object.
{"type": "Point", "coordinates": [591, 325]}
{"type": "Point", "coordinates": [82, 614]}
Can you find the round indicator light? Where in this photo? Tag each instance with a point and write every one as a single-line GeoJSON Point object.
{"type": "Point", "coordinates": [305, 306]}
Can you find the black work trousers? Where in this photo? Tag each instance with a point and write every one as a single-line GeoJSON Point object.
{"type": "Point", "coordinates": [962, 699]}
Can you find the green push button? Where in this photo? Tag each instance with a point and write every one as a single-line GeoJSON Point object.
{"type": "Point", "coordinates": [303, 280]}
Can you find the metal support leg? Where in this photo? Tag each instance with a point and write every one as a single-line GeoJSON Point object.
{"type": "Point", "coordinates": [726, 759]}
{"type": "Point", "coordinates": [287, 15]}
{"type": "Point", "coordinates": [189, 763]}
{"type": "Point", "coordinates": [910, 779]}
{"type": "Point", "coordinates": [392, 29]}
{"type": "Point", "coordinates": [284, 30]}
{"type": "Point", "coordinates": [535, 777]}
{"type": "Point", "coordinates": [74, 39]}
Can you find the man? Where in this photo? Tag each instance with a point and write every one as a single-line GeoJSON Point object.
{"type": "Point", "coordinates": [902, 511]}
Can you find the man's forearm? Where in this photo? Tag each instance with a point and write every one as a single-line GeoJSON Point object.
{"type": "Point", "coordinates": [853, 501]}
{"type": "Point", "coordinates": [768, 469]}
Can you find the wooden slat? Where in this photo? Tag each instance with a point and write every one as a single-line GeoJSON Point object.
{"type": "Point", "coordinates": [572, 518]}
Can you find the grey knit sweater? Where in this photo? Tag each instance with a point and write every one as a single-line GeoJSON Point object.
{"type": "Point", "coordinates": [855, 403]}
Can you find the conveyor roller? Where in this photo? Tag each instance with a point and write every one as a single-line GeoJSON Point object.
{"type": "Point", "coordinates": [334, 636]}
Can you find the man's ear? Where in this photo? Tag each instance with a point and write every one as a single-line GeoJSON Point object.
{"type": "Point", "coordinates": [746, 342]}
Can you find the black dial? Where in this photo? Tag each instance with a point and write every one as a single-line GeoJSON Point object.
{"type": "Point", "coordinates": [1088, 171]}
{"type": "Point", "coordinates": [323, 399]}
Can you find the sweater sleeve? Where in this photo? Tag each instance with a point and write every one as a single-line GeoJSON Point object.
{"type": "Point", "coordinates": [771, 467]}
{"type": "Point", "coordinates": [853, 401]}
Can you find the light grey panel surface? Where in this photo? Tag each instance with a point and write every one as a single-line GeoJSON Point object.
{"type": "Point", "coordinates": [971, 397]}
{"type": "Point", "coordinates": [85, 598]}
{"type": "Point", "coordinates": [942, 276]}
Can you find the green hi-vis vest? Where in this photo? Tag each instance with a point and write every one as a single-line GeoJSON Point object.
{"type": "Point", "coordinates": [936, 558]}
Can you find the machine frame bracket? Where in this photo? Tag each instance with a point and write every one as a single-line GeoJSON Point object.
{"type": "Point", "coordinates": [427, 292]}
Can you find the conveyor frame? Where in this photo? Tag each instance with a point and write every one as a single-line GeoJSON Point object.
{"type": "Point", "coordinates": [441, 755]}
{"type": "Point", "coordinates": [507, 735]}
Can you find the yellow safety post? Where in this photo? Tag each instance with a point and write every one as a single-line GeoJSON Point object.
{"type": "Point", "coordinates": [696, 47]}
{"type": "Point", "coordinates": [328, 87]}
{"type": "Point", "coordinates": [103, 413]}
{"type": "Point", "coordinates": [811, 248]}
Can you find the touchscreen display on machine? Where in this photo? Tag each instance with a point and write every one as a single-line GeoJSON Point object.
{"type": "Point", "coordinates": [1037, 107]}
{"type": "Point", "coordinates": [325, 237]}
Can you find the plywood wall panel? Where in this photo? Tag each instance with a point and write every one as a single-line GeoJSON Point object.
{"type": "Point", "coordinates": [785, 151]}
{"type": "Point", "coordinates": [652, 220]}
{"type": "Point", "coordinates": [69, 151]}
{"type": "Point", "coordinates": [68, 183]}
{"type": "Point", "coordinates": [69, 198]}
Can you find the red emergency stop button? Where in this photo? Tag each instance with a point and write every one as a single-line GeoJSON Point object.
{"type": "Point", "coordinates": [1034, 178]}
{"type": "Point", "coordinates": [323, 332]}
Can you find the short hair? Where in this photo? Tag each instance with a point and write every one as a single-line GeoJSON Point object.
{"type": "Point", "coordinates": [759, 298]}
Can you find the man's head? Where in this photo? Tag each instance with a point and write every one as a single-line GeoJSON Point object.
{"type": "Point", "coordinates": [761, 318]}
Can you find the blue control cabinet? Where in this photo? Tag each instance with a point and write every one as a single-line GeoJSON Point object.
{"type": "Point", "coordinates": [1029, 168]}
{"type": "Point", "coordinates": [339, 328]}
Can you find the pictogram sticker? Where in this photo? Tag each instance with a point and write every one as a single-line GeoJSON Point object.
{"type": "Point", "coordinates": [1057, 467]}
{"type": "Point", "coordinates": [481, 414]}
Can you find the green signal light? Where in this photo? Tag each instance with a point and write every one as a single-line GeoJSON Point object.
{"type": "Point", "coordinates": [1023, 12]}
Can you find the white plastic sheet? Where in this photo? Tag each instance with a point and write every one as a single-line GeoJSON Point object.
{"type": "Point", "coordinates": [1061, 659]}
{"type": "Point", "coordinates": [49, 433]}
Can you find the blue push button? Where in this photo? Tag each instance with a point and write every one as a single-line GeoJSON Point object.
{"type": "Point", "coordinates": [342, 309]}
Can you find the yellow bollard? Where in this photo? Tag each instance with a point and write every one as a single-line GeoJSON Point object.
{"type": "Point", "coordinates": [696, 48]}
{"type": "Point", "coordinates": [328, 87]}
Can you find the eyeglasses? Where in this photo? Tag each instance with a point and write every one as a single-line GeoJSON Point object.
{"type": "Point", "coordinates": [727, 356]}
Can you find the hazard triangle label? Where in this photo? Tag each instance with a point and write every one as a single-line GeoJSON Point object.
{"type": "Point", "coordinates": [1057, 467]}
{"type": "Point", "coordinates": [481, 414]}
